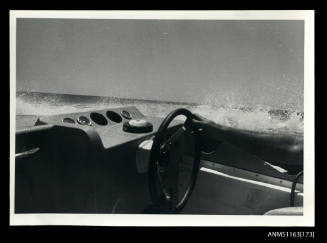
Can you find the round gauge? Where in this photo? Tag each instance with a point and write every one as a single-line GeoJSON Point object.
{"type": "Point", "coordinates": [126, 114]}
{"type": "Point", "coordinates": [98, 118]}
{"type": "Point", "coordinates": [68, 120]}
{"type": "Point", "coordinates": [113, 116]}
{"type": "Point", "coordinates": [83, 120]}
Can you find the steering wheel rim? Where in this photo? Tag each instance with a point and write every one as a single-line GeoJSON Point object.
{"type": "Point", "coordinates": [156, 194]}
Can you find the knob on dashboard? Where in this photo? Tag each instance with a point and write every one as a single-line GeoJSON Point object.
{"type": "Point", "coordinates": [126, 114]}
{"type": "Point", "coordinates": [83, 120]}
{"type": "Point", "coordinates": [137, 126]}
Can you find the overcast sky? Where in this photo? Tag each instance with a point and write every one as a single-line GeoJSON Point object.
{"type": "Point", "coordinates": [224, 62]}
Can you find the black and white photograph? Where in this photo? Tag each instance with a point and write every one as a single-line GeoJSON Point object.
{"type": "Point", "coordinates": [162, 118]}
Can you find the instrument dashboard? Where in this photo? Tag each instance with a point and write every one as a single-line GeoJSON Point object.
{"type": "Point", "coordinates": [106, 126]}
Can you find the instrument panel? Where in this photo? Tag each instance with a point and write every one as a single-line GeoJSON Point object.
{"type": "Point", "coordinates": [100, 118]}
{"type": "Point", "coordinates": [110, 127]}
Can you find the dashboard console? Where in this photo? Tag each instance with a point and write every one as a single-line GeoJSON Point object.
{"type": "Point", "coordinates": [107, 127]}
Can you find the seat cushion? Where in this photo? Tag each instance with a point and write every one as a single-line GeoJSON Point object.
{"type": "Point", "coordinates": [286, 211]}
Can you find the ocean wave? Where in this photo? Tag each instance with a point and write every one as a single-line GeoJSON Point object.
{"type": "Point", "coordinates": [256, 119]}
{"type": "Point", "coordinates": [250, 118]}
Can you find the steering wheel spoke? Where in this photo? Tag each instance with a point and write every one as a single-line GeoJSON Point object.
{"type": "Point", "coordinates": [172, 140]}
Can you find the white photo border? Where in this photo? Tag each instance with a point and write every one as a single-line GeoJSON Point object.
{"type": "Point", "coordinates": [308, 218]}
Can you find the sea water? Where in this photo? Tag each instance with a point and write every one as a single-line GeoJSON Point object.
{"type": "Point", "coordinates": [256, 118]}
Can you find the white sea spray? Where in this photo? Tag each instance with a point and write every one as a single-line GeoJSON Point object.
{"type": "Point", "coordinates": [254, 118]}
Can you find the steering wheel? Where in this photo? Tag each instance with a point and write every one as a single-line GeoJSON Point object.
{"type": "Point", "coordinates": [167, 164]}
